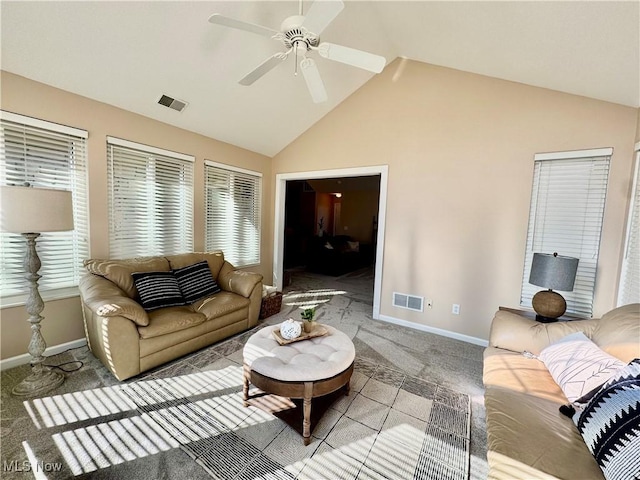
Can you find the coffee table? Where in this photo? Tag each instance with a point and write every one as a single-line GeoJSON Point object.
{"type": "Point", "coordinates": [301, 370]}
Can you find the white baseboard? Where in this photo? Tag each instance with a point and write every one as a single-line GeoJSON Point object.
{"type": "Point", "coordinates": [26, 358]}
{"type": "Point", "coordinates": [437, 331]}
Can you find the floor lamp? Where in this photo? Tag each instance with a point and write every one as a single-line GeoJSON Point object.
{"type": "Point", "coordinates": [28, 210]}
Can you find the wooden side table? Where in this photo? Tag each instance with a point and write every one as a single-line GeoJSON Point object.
{"type": "Point", "coordinates": [532, 315]}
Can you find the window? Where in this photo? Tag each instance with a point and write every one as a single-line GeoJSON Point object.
{"type": "Point", "coordinates": [150, 200]}
{"type": "Point", "coordinates": [44, 155]}
{"type": "Point", "coordinates": [567, 208]}
{"type": "Point", "coordinates": [233, 199]}
{"type": "Point", "coordinates": [630, 279]}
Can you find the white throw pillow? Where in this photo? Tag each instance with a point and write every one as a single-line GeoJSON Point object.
{"type": "Point", "coordinates": [577, 365]}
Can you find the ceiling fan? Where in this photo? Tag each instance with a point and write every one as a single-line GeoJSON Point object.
{"type": "Point", "coordinates": [300, 35]}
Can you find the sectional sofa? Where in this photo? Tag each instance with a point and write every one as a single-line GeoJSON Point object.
{"type": "Point", "coordinates": [528, 437]}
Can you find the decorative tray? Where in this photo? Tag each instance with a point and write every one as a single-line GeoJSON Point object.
{"type": "Point", "coordinates": [319, 331]}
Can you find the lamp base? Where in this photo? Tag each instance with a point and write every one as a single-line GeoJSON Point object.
{"type": "Point", "coordinates": [541, 319]}
{"type": "Point", "coordinates": [38, 382]}
{"type": "Point", "coordinates": [549, 305]}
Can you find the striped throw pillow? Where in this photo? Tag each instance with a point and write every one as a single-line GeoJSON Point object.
{"type": "Point", "coordinates": [196, 281]}
{"type": "Point", "coordinates": [157, 290]}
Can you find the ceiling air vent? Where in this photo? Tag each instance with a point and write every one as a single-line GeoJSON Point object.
{"type": "Point", "coordinates": [172, 103]}
{"type": "Point", "coordinates": [410, 302]}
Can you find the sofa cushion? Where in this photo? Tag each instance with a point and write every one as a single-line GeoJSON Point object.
{"type": "Point", "coordinates": [517, 333]}
{"type": "Point", "coordinates": [158, 290]}
{"type": "Point", "coordinates": [119, 271]}
{"type": "Point", "coordinates": [169, 320]}
{"type": "Point", "coordinates": [528, 438]}
{"type": "Point", "coordinates": [513, 371]}
{"type": "Point", "coordinates": [221, 304]}
{"type": "Point", "coordinates": [196, 281]}
{"type": "Point", "coordinates": [618, 332]}
{"type": "Point", "coordinates": [610, 424]}
{"type": "Point", "coordinates": [214, 259]}
{"type": "Point", "coordinates": [577, 365]}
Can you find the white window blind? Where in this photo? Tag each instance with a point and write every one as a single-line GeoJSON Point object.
{"type": "Point", "coordinates": [150, 200]}
{"type": "Point", "coordinates": [629, 291]}
{"type": "Point", "coordinates": [44, 155]}
{"type": "Point", "coordinates": [233, 200]}
{"type": "Point", "coordinates": [567, 208]}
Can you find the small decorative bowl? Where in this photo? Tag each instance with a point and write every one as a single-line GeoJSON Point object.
{"type": "Point", "coordinates": [290, 329]}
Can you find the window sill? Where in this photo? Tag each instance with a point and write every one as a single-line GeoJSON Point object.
{"type": "Point", "coordinates": [47, 296]}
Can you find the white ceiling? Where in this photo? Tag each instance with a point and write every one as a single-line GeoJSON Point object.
{"type": "Point", "coordinates": [129, 53]}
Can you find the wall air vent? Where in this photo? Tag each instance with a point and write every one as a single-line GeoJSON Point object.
{"type": "Point", "coordinates": [410, 302]}
{"type": "Point", "coordinates": [172, 103]}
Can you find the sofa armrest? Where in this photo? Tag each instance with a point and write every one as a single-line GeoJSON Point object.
{"type": "Point", "coordinates": [115, 341]}
{"type": "Point", "coordinates": [237, 281]}
{"type": "Point", "coordinates": [106, 299]}
{"type": "Point", "coordinates": [516, 333]}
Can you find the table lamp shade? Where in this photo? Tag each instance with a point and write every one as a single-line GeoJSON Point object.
{"type": "Point", "coordinates": [35, 210]}
{"type": "Point", "coordinates": [554, 272]}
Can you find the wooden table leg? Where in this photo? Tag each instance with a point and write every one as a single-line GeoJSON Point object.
{"type": "Point", "coordinates": [246, 374]}
{"type": "Point", "coordinates": [306, 422]}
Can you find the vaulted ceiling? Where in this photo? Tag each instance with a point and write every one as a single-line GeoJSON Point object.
{"type": "Point", "coordinates": [128, 54]}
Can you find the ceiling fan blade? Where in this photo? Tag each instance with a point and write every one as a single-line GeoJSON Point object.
{"type": "Point", "coordinates": [219, 19]}
{"type": "Point", "coordinates": [269, 64]}
{"type": "Point", "coordinates": [351, 56]}
{"type": "Point", "coordinates": [313, 79]}
{"type": "Point", "coordinates": [321, 14]}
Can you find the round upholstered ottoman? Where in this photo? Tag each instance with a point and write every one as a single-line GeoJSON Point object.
{"type": "Point", "coordinates": [304, 369]}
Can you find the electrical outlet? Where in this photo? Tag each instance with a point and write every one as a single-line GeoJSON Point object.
{"type": "Point", "coordinates": [429, 303]}
{"type": "Point", "coordinates": [455, 309]}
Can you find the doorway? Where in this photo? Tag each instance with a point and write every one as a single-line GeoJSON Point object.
{"type": "Point", "coordinates": [377, 234]}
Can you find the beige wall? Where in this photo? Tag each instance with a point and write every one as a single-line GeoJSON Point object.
{"type": "Point", "coordinates": [63, 319]}
{"type": "Point", "coordinates": [324, 213]}
{"type": "Point", "coordinates": [460, 152]}
{"type": "Point", "coordinates": [460, 149]}
{"type": "Point", "coordinates": [357, 212]}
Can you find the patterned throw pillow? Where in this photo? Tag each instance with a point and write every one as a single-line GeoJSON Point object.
{"type": "Point", "coordinates": [610, 424]}
{"type": "Point", "coordinates": [196, 281]}
{"type": "Point", "coordinates": [157, 290]}
{"type": "Point", "coordinates": [577, 365]}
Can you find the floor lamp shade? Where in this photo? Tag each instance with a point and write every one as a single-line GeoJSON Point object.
{"type": "Point", "coordinates": [31, 210]}
{"type": "Point", "coordinates": [552, 272]}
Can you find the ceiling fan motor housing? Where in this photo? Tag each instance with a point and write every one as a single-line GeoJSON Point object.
{"type": "Point", "coordinates": [293, 32]}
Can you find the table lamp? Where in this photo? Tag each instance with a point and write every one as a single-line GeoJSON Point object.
{"type": "Point", "coordinates": [31, 211]}
{"type": "Point", "coordinates": [551, 272]}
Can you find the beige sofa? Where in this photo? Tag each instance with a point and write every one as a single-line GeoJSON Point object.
{"type": "Point", "coordinates": [129, 340]}
{"type": "Point", "coordinates": [527, 437]}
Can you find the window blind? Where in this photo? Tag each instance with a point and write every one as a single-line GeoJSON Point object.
{"type": "Point", "coordinates": [566, 213]}
{"type": "Point", "coordinates": [233, 213]}
{"type": "Point", "coordinates": [629, 291]}
{"type": "Point", "coordinates": [150, 200]}
{"type": "Point", "coordinates": [44, 155]}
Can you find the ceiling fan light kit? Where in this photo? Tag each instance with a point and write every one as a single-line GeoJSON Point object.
{"type": "Point", "coordinates": [300, 35]}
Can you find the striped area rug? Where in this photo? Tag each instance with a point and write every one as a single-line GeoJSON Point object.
{"type": "Point", "coordinates": [391, 426]}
